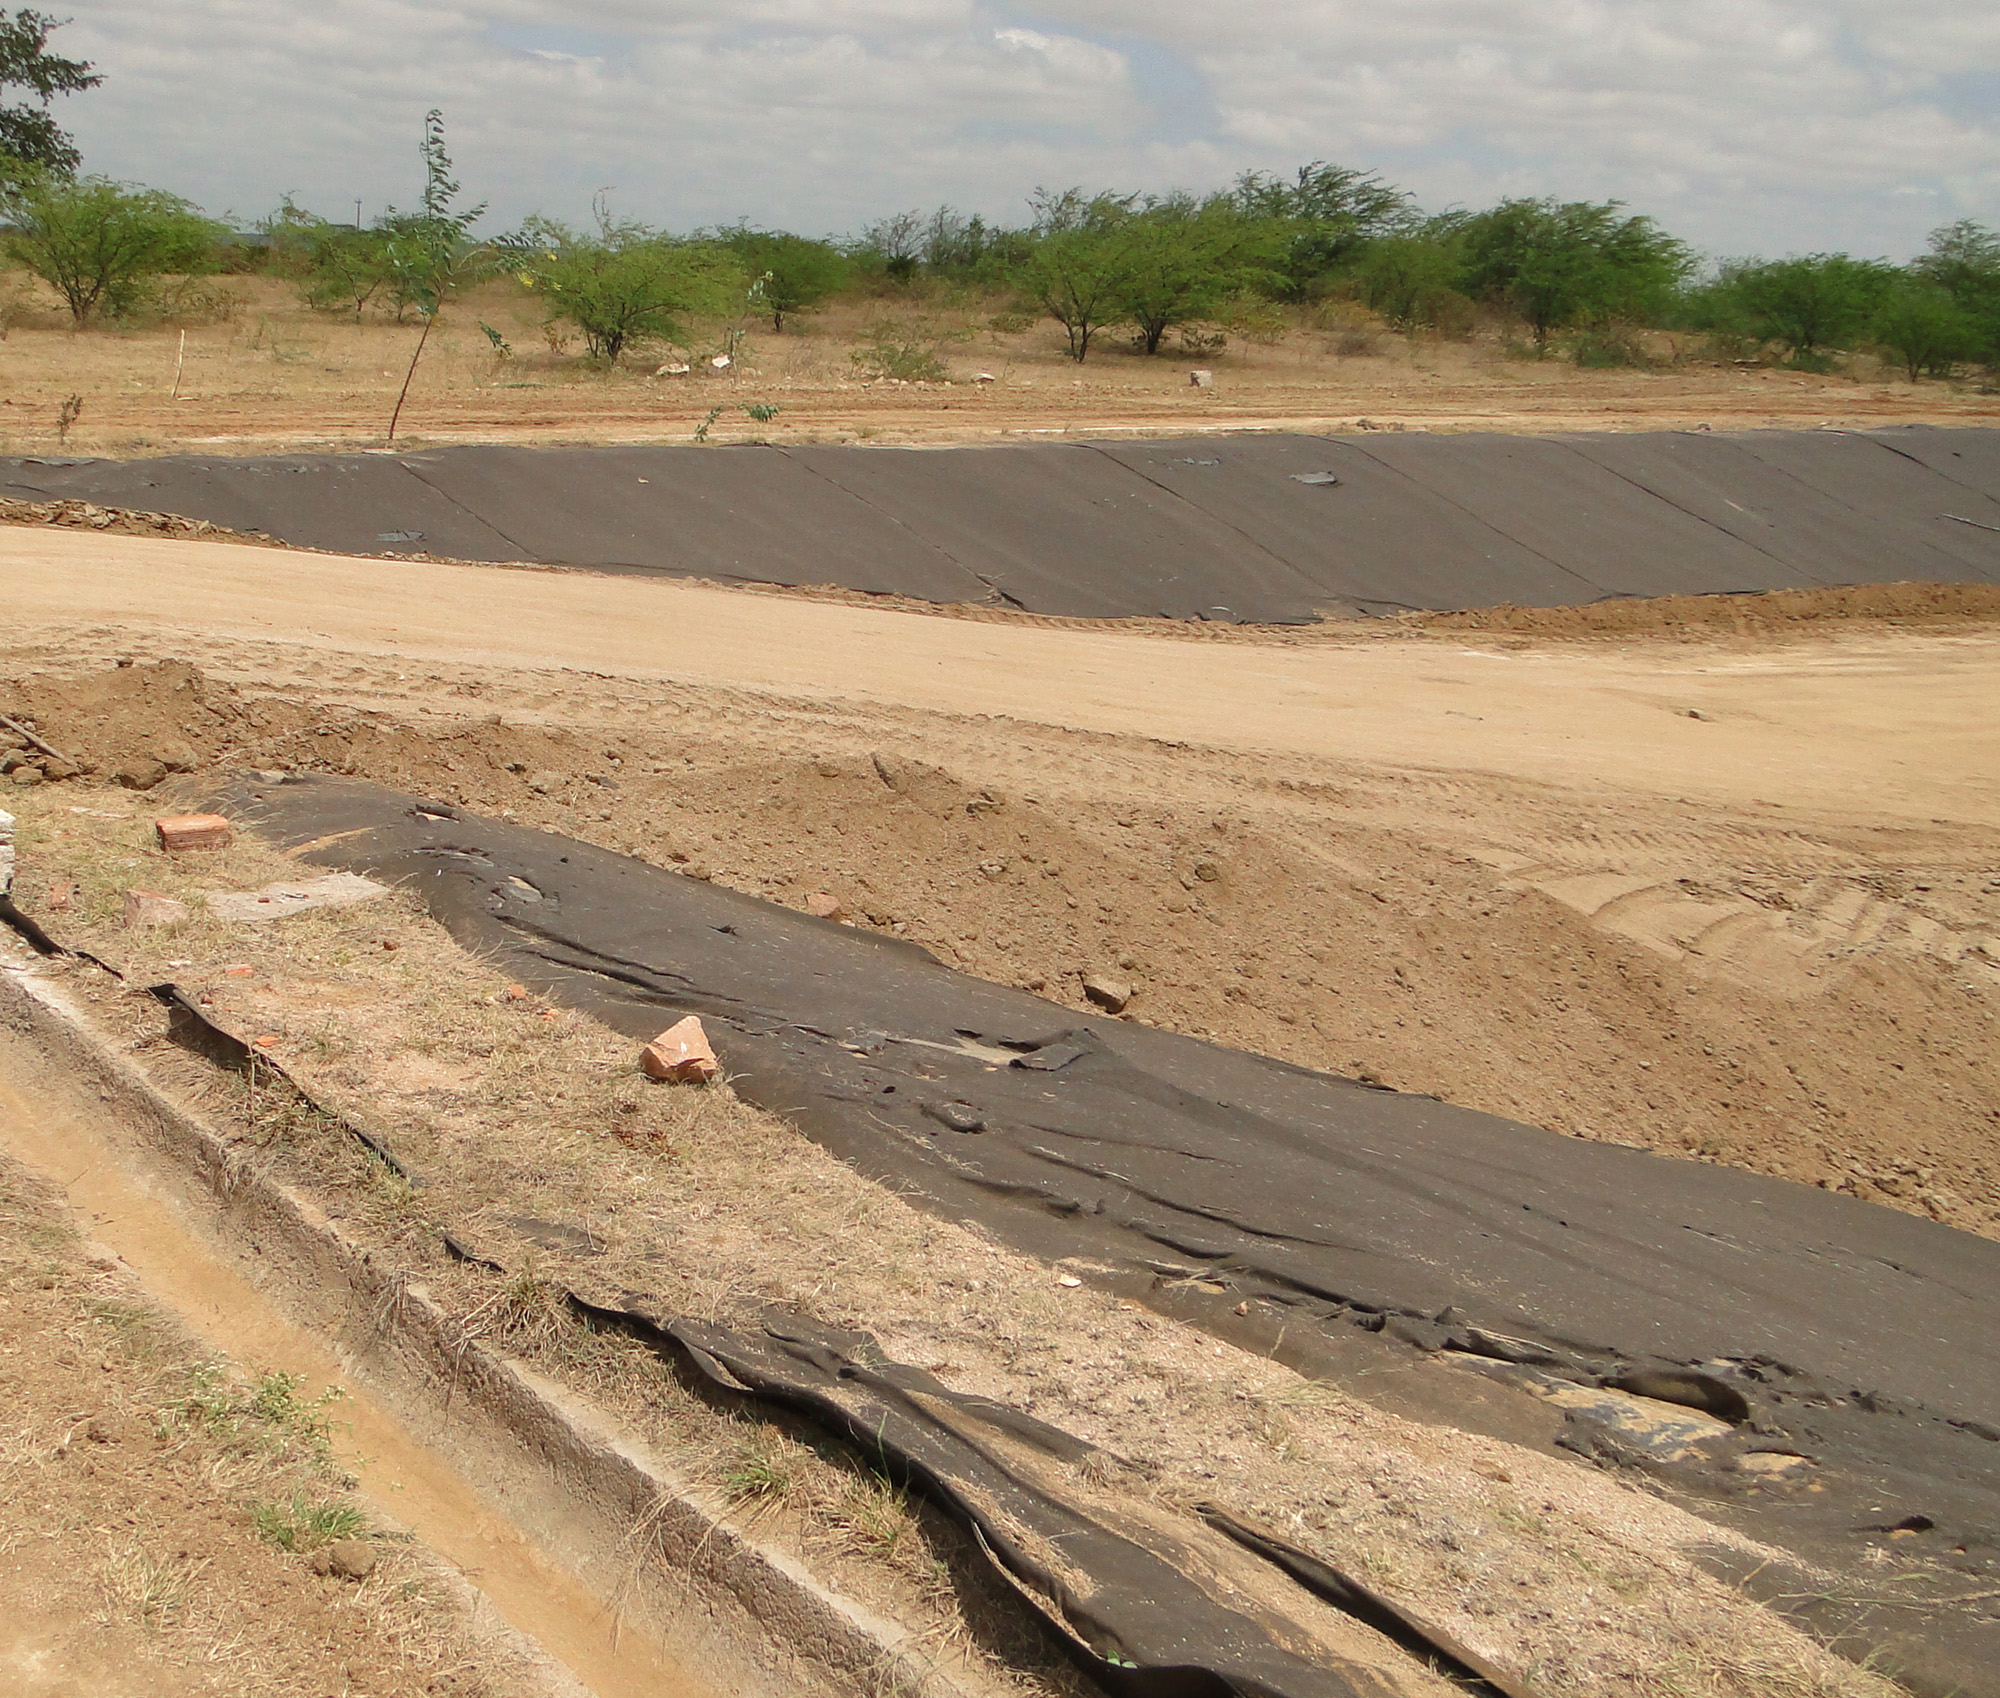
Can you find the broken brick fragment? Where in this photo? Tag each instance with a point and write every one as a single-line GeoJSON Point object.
{"type": "Point", "coordinates": [150, 908]}
{"type": "Point", "coordinates": [193, 831]}
{"type": "Point", "coordinates": [681, 1055]}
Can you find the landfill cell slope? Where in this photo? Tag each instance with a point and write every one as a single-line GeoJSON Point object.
{"type": "Point", "coordinates": [1287, 1209]}
{"type": "Point", "coordinates": [1260, 529]}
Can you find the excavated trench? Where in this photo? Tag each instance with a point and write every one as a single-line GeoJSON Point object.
{"type": "Point", "coordinates": [190, 1263]}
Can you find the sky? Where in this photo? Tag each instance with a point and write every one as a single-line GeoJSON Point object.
{"type": "Point", "coordinates": [1745, 126]}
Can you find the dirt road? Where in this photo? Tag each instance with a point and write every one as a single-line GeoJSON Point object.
{"type": "Point", "coordinates": [1878, 725]}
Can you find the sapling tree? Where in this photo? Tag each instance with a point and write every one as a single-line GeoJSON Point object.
{"type": "Point", "coordinates": [430, 253]}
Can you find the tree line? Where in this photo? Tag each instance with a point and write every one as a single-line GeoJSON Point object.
{"type": "Point", "coordinates": [1579, 278]}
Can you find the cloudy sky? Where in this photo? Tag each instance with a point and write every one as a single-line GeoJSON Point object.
{"type": "Point", "coordinates": [1746, 125]}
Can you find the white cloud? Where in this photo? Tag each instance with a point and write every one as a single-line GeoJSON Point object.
{"type": "Point", "coordinates": [1744, 124]}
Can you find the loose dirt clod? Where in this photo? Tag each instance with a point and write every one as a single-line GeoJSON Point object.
{"type": "Point", "coordinates": [350, 1559]}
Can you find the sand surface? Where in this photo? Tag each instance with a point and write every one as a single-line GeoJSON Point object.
{"type": "Point", "coordinates": [1882, 724]}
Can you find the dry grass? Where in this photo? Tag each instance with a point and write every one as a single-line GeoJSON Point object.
{"type": "Point", "coordinates": [156, 1502]}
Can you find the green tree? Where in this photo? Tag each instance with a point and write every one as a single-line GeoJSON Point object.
{"type": "Point", "coordinates": [798, 272]}
{"type": "Point", "coordinates": [1179, 259]}
{"type": "Point", "coordinates": [1964, 260]}
{"type": "Point", "coordinates": [624, 285]}
{"type": "Point", "coordinates": [1559, 264]}
{"type": "Point", "coordinates": [428, 254]}
{"type": "Point", "coordinates": [101, 244]}
{"type": "Point", "coordinates": [348, 268]}
{"type": "Point", "coordinates": [1326, 217]}
{"type": "Point", "coordinates": [1809, 303]}
{"type": "Point", "coordinates": [1079, 269]}
{"type": "Point", "coordinates": [967, 249]}
{"type": "Point", "coordinates": [1412, 280]}
{"type": "Point", "coordinates": [1925, 328]}
{"type": "Point", "coordinates": [29, 133]}
{"type": "Point", "coordinates": [335, 267]}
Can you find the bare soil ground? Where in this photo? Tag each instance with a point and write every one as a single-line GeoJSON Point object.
{"type": "Point", "coordinates": [272, 375]}
{"type": "Point", "coordinates": [167, 1516]}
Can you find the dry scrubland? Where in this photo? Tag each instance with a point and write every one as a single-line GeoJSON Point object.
{"type": "Point", "coordinates": [262, 372]}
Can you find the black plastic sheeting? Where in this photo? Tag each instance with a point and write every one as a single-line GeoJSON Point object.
{"type": "Point", "coordinates": [1242, 529]}
{"type": "Point", "coordinates": [1286, 1209]}
{"type": "Point", "coordinates": [1153, 1603]}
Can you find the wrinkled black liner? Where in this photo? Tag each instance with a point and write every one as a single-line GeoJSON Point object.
{"type": "Point", "coordinates": [1001, 1472]}
{"type": "Point", "coordinates": [1242, 529]}
{"type": "Point", "coordinates": [1285, 1209]}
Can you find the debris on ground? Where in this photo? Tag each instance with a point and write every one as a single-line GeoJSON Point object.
{"type": "Point", "coordinates": [193, 831]}
{"type": "Point", "coordinates": [295, 896]}
{"type": "Point", "coordinates": [140, 774]}
{"type": "Point", "coordinates": [681, 1055]}
{"type": "Point", "coordinates": [149, 908]}
{"type": "Point", "coordinates": [1108, 993]}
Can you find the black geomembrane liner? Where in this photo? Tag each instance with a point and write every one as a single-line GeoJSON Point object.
{"type": "Point", "coordinates": [1263, 529]}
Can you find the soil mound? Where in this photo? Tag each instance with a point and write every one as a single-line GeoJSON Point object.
{"type": "Point", "coordinates": [1763, 614]}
